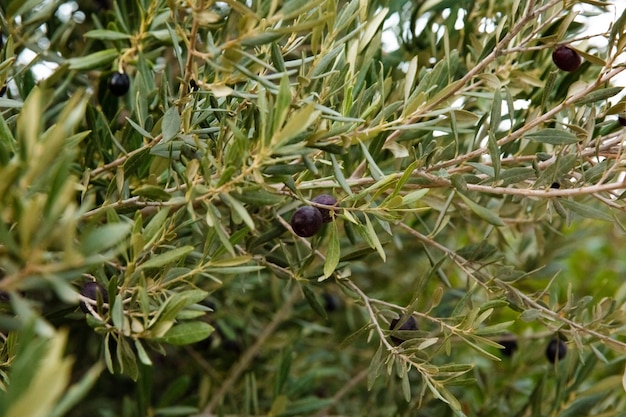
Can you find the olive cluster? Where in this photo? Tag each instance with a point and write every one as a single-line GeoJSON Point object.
{"type": "Point", "coordinates": [308, 220]}
{"type": "Point", "coordinates": [555, 350]}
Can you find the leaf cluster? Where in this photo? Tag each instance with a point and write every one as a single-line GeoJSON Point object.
{"type": "Point", "coordinates": [474, 179]}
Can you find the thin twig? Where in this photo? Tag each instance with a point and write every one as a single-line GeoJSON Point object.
{"type": "Point", "coordinates": [463, 264]}
{"type": "Point", "coordinates": [498, 50]}
{"type": "Point", "coordinates": [551, 192]}
{"type": "Point", "coordinates": [195, 25]}
{"type": "Point", "coordinates": [354, 381]}
{"type": "Point", "coordinates": [244, 362]}
{"type": "Point", "coordinates": [122, 159]}
{"type": "Point", "coordinates": [371, 313]}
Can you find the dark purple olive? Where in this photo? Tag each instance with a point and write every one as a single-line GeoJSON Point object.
{"type": "Point", "coordinates": [327, 200]}
{"type": "Point", "coordinates": [331, 302]}
{"type": "Point", "coordinates": [409, 324]}
{"type": "Point", "coordinates": [566, 58]}
{"type": "Point", "coordinates": [556, 350]}
{"type": "Point", "coordinates": [119, 83]}
{"type": "Point", "coordinates": [509, 345]}
{"type": "Point", "coordinates": [622, 119]}
{"type": "Point", "coordinates": [90, 290]}
{"type": "Point", "coordinates": [306, 221]}
{"type": "Point", "coordinates": [555, 185]}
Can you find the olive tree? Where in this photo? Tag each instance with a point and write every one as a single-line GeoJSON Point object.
{"type": "Point", "coordinates": [312, 207]}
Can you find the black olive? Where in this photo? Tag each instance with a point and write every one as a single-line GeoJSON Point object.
{"type": "Point", "coordinates": [409, 324]}
{"type": "Point", "coordinates": [556, 350]}
{"type": "Point", "coordinates": [327, 200]}
{"type": "Point", "coordinates": [566, 58]}
{"type": "Point", "coordinates": [331, 301]}
{"type": "Point", "coordinates": [509, 344]}
{"type": "Point", "coordinates": [119, 83]}
{"type": "Point", "coordinates": [91, 290]}
{"type": "Point", "coordinates": [306, 221]}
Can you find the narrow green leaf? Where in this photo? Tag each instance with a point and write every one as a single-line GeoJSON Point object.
{"type": "Point", "coordinates": [7, 103]}
{"type": "Point", "coordinates": [333, 251]}
{"type": "Point", "coordinates": [584, 405]}
{"type": "Point", "coordinates": [244, 269]}
{"type": "Point", "coordinates": [586, 210]}
{"type": "Point", "coordinates": [77, 391]}
{"type": "Point", "coordinates": [414, 196]}
{"type": "Point", "coordinates": [107, 35]}
{"type": "Point", "coordinates": [104, 237]}
{"type": "Point", "coordinates": [241, 211]}
{"type": "Point", "coordinates": [516, 175]}
{"type": "Point", "coordinates": [297, 123]}
{"type": "Point", "coordinates": [313, 302]}
{"type": "Point", "coordinates": [373, 239]}
{"type": "Point", "coordinates": [494, 153]}
{"type": "Point", "coordinates": [617, 31]}
{"type": "Point", "coordinates": [372, 26]}
{"type": "Point", "coordinates": [261, 38]}
{"type": "Point", "coordinates": [108, 360]}
{"type": "Point", "coordinates": [374, 368]}
{"type": "Point", "coordinates": [408, 172]}
{"type": "Point", "coordinates": [176, 410]}
{"type": "Point", "coordinates": [496, 112]}
{"type": "Point", "coordinates": [482, 212]}
{"type": "Point", "coordinates": [376, 172]}
{"type": "Point", "coordinates": [548, 89]}
{"type": "Point", "coordinates": [171, 124]}
{"type": "Point", "coordinates": [258, 197]}
{"type": "Point", "coordinates": [156, 224]}
{"type": "Point", "coordinates": [277, 57]}
{"type": "Point", "coordinates": [213, 220]}
{"type": "Point", "coordinates": [167, 257]}
{"type": "Point", "coordinates": [326, 60]}
{"type": "Point", "coordinates": [283, 372]}
{"type": "Point", "coordinates": [552, 136]}
{"type": "Point", "coordinates": [409, 80]}
{"type": "Point", "coordinates": [141, 352]}
{"type": "Point", "coordinates": [117, 314]}
{"type": "Point", "coordinates": [143, 132]}
{"type": "Point", "coordinates": [96, 60]}
{"type": "Point", "coordinates": [600, 95]}
{"type": "Point", "coordinates": [283, 103]}
{"type": "Point", "coordinates": [49, 365]}
{"type": "Point", "coordinates": [341, 179]}
{"type": "Point", "coordinates": [295, 8]}
{"type": "Point", "coordinates": [7, 142]}
{"type": "Point", "coordinates": [230, 262]}
{"type": "Point", "coordinates": [406, 386]}
{"type": "Point", "coordinates": [458, 182]}
{"type": "Point", "coordinates": [127, 359]}
{"type": "Point", "coordinates": [278, 405]}
{"type": "Point", "coordinates": [187, 333]}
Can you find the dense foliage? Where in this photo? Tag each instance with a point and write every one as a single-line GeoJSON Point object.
{"type": "Point", "coordinates": [261, 208]}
